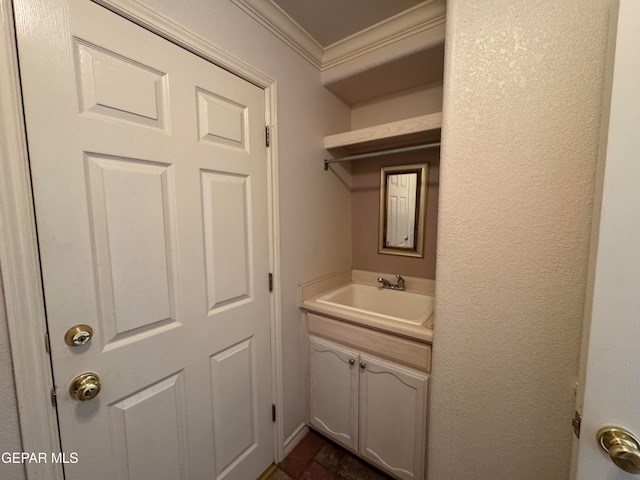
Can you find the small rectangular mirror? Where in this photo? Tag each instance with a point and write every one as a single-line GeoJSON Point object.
{"type": "Point", "coordinates": [403, 198]}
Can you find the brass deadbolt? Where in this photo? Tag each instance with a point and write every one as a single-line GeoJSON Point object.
{"type": "Point", "coordinates": [85, 386]}
{"type": "Point", "coordinates": [78, 335]}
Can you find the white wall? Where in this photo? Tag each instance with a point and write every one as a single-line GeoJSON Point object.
{"type": "Point", "coordinates": [522, 94]}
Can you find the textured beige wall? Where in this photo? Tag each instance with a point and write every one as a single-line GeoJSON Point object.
{"type": "Point", "coordinates": [365, 208]}
{"type": "Point", "coordinates": [10, 440]}
{"type": "Point", "coordinates": [522, 95]}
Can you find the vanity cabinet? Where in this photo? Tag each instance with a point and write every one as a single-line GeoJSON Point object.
{"type": "Point", "coordinates": [333, 391]}
{"type": "Point", "coordinates": [392, 417]}
{"type": "Point", "coordinates": [373, 406]}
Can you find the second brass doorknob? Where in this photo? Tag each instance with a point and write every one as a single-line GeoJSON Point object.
{"type": "Point", "coordinates": [623, 448]}
{"type": "Point", "coordinates": [85, 386]}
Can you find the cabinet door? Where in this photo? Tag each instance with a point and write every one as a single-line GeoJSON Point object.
{"type": "Point", "coordinates": [393, 406]}
{"type": "Point", "coordinates": [333, 390]}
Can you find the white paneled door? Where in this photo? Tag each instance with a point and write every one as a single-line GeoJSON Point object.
{"type": "Point", "coordinates": [612, 385]}
{"type": "Point", "coordinates": [401, 210]}
{"type": "Point", "coordinates": [150, 182]}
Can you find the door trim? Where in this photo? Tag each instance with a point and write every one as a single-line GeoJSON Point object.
{"type": "Point", "coordinates": [20, 267]}
{"type": "Point", "coordinates": [19, 259]}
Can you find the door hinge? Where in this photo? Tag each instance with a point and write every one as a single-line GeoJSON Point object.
{"type": "Point", "coordinates": [47, 342]}
{"type": "Point", "coordinates": [273, 412]}
{"type": "Point", "coordinates": [271, 282]}
{"type": "Point", "coordinates": [267, 136]}
{"type": "Point", "coordinates": [54, 397]}
{"type": "Point", "coordinates": [576, 422]}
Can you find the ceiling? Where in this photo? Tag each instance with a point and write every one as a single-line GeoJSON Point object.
{"type": "Point", "coordinates": [329, 21]}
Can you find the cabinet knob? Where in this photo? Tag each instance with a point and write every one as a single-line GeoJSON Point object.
{"type": "Point", "coordinates": [363, 365]}
{"type": "Point", "coordinates": [351, 361]}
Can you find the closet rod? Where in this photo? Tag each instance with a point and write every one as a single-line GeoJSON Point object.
{"type": "Point", "coordinates": [380, 154]}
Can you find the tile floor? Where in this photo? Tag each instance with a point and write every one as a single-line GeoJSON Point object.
{"type": "Point", "coordinates": [316, 458]}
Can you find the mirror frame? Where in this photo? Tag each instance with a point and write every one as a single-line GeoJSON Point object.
{"type": "Point", "coordinates": [422, 170]}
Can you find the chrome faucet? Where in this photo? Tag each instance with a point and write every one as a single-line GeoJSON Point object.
{"type": "Point", "coordinates": [387, 284]}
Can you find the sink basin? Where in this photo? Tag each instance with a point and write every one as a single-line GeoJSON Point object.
{"type": "Point", "coordinates": [405, 307]}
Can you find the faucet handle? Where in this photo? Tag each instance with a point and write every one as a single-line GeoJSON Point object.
{"type": "Point", "coordinates": [387, 284]}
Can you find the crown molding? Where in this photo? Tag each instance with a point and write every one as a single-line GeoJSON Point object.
{"type": "Point", "coordinates": [274, 19]}
{"type": "Point", "coordinates": [424, 16]}
{"type": "Point", "coordinates": [420, 18]}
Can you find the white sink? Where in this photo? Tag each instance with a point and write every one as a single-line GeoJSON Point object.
{"type": "Point", "coordinates": [405, 307]}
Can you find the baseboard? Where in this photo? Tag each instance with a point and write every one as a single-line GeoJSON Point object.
{"type": "Point", "coordinates": [267, 473]}
{"type": "Point", "coordinates": [294, 439]}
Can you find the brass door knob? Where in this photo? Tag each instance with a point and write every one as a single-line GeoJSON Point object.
{"type": "Point", "coordinates": [85, 386]}
{"type": "Point", "coordinates": [623, 448]}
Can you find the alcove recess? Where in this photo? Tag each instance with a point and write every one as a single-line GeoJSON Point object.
{"type": "Point", "coordinates": [395, 102]}
{"type": "Point", "coordinates": [363, 177]}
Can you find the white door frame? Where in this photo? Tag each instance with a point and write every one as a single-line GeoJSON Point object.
{"type": "Point", "coordinates": [19, 260]}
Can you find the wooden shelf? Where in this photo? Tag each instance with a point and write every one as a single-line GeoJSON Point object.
{"type": "Point", "coordinates": [412, 131]}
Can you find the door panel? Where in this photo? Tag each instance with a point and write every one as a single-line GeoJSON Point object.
{"type": "Point", "coordinates": [227, 214]}
{"type": "Point", "coordinates": [118, 87]}
{"type": "Point", "coordinates": [133, 239]}
{"type": "Point", "coordinates": [157, 412]}
{"type": "Point", "coordinates": [392, 406]}
{"type": "Point", "coordinates": [234, 405]}
{"type": "Point", "coordinates": [221, 120]}
{"type": "Point", "coordinates": [149, 175]}
{"type": "Point", "coordinates": [333, 386]}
